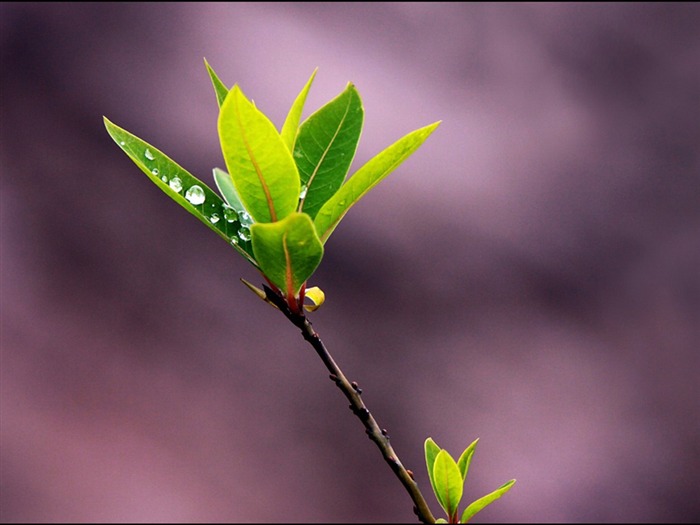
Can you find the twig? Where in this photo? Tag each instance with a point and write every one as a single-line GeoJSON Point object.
{"type": "Point", "coordinates": [353, 393]}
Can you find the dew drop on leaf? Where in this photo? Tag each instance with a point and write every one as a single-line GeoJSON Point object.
{"type": "Point", "coordinates": [302, 193]}
{"type": "Point", "coordinates": [244, 217]}
{"type": "Point", "coordinates": [244, 233]}
{"type": "Point", "coordinates": [230, 214]}
{"type": "Point", "coordinates": [155, 171]}
{"type": "Point", "coordinates": [234, 240]}
{"type": "Point", "coordinates": [214, 218]}
{"type": "Point", "coordinates": [195, 195]}
{"type": "Point", "coordinates": [164, 178]}
{"type": "Point", "coordinates": [175, 184]}
{"type": "Point", "coordinates": [148, 154]}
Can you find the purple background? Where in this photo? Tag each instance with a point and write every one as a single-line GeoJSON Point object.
{"type": "Point", "coordinates": [529, 277]}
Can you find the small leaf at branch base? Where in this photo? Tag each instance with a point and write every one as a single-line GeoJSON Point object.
{"type": "Point", "coordinates": [431, 452]}
{"type": "Point", "coordinates": [466, 458]}
{"type": "Point", "coordinates": [448, 481]}
{"type": "Point", "coordinates": [316, 296]}
{"type": "Point", "coordinates": [479, 504]}
{"type": "Point", "coordinates": [288, 251]}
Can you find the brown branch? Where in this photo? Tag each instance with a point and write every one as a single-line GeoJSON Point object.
{"type": "Point", "coordinates": [353, 393]}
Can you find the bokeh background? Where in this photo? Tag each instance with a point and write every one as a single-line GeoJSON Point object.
{"type": "Point", "coordinates": [529, 277]}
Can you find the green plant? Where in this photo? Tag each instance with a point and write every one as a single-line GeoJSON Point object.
{"type": "Point", "coordinates": [448, 477]}
{"type": "Point", "coordinates": [283, 196]}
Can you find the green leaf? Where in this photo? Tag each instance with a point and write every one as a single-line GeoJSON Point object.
{"type": "Point", "coordinates": [479, 504]}
{"type": "Point", "coordinates": [219, 87]}
{"type": "Point", "coordinates": [288, 251]}
{"type": "Point", "coordinates": [325, 147]}
{"type": "Point", "coordinates": [448, 482]}
{"type": "Point", "coordinates": [366, 178]}
{"type": "Point", "coordinates": [291, 123]}
{"type": "Point", "coordinates": [225, 184]}
{"type": "Point", "coordinates": [466, 458]}
{"type": "Point", "coordinates": [264, 173]}
{"type": "Point", "coordinates": [166, 174]}
{"type": "Point", "coordinates": [431, 452]}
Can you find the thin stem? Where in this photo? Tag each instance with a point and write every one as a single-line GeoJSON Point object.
{"type": "Point", "coordinates": [353, 393]}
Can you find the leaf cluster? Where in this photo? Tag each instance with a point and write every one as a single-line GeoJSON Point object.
{"type": "Point", "coordinates": [283, 192]}
{"type": "Point", "coordinates": [448, 477]}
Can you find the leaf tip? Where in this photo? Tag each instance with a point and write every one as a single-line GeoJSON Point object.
{"type": "Point", "coordinates": [434, 125]}
{"type": "Point", "coordinates": [257, 291]}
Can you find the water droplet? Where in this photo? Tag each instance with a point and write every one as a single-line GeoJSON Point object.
{"type": "Point", "coordinates": [154, 171]}
{"type": "Point", "coordinates": [230, 214]}
{"type": "Point", "coordinates": [302, 193]}
{"type": "Point", "coordinates": [175, 184]}
{"type": "Point", "coordinates": [244, 233]}
{"type": "Point", "coordinates": [234, 240]}
{"type": "Point", "coordinates": [164, 178]}
{"type": "Point", "coordinates": [148, 154]}
{"type": "Point", "coordinates": [122, 143]}
{"type": "Point", "coordinates": [214, 218]}
{"type": "Point", "coordinates": [195, 195]}
{"type": "Point", "coordinates": [244, 217]}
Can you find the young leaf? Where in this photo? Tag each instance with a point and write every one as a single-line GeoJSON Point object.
{"type": "Point", "coordinates": [316, 296]}
{"type": "Point", "coordinates": [288, 251]}
{"type": "Point", "coordinates": [184, 188]}
{"type": "Point", "coordinates": [325, 148]}
{"type": "Point", "coordinates": [486, 500]}
{"type": "Point", "coordinates": [225, 184]}
{"type": "Point", "coordinates": [219, 87]}
{"type": "Point", "coordinates": [466, 458]}
{"type": "Point", "coordinates": [366, 178]}
{"type": "Point", "coordinates": [448, 482]}
{"type": "Point", "coordinates": [264, 173]}
{"type": "Point", "coordinates": [291, 123]}
{"type": "Point", "coordinates": [431, 452]}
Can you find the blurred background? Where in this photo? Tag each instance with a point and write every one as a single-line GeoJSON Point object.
{"type": "Point", "coordinates": [530, 276]}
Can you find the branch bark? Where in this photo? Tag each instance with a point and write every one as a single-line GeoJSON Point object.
{"type": "Point", "coordinates": [353, 393]}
